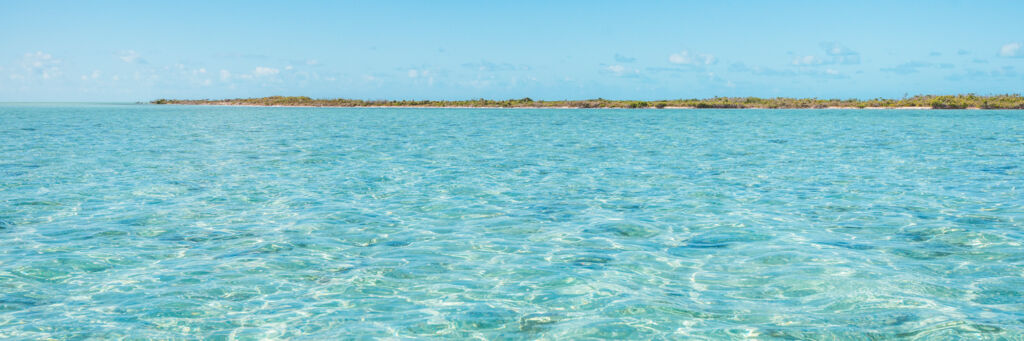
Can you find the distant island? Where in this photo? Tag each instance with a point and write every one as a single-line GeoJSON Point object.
{"type": "Point", "coordinates": [969, 101]}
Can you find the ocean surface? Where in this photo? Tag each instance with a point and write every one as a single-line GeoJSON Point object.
{"type": "Point", "coordinates": [146, 221]}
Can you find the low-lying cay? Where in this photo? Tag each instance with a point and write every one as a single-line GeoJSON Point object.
{"type": "Point", "coordinates": [969, 101]}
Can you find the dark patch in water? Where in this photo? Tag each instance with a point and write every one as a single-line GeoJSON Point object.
{"type": "Point", "coordinates": [1004, 170]}
{"type": "Point", "coordinates": [17, 302]}
{"type": "Point", "coordinates": [706, 245]}
{"type": "Point", "coordinates": [714, 241]}
{"type": "Point", "coordinates": [37, 203]}
{"type": "Point", "coordinates": [978, 220]}
{"type": "Point", "coordinates": [5, 224]}
{"type": "Point", "coordinates": [917, 236]}
{"type": "Point", "coordinates": [28, 129]}
{"type": "Point", "coordinates": [921, 254]}
{"type": "Point", "coordinates": [392, 243]}
{"type": "Point", "coordinates": [589, 260]}
{"type": "Point", "coordinates": [899, 319]}
{"type": "Point", "coordinates": [262, 250]}
{"type": "Point", "coordinates": [850, 246]}
{"type": "Point", "coordinates": [622, 229]}
{"type": "Point", "coordinates": [341, 269]}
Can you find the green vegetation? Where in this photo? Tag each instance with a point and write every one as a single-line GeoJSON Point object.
{"type": "Point", "coordinates": [972, 101]}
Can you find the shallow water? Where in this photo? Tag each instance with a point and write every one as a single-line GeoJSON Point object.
{"type": "Point", "coordinates": [216, 222]}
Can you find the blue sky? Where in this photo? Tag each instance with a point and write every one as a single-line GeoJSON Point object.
{"type": "Point", "coordinates": [143, 50]}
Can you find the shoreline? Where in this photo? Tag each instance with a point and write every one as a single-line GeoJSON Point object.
{"type": "Point", "coordinates": [919, 102]}
{"type": "Point", "coordinates": [552, 107]}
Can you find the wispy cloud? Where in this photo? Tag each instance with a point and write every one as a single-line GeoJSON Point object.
{"type": "Point", "coordinates": [624, 59]}
{"type": "Point", "coordinates": [835, 53]}
{"type": "Point", "coordinates": [262, 71]}
{"type": "Point", "coordinates": [686, 57]}
{"type": "Point", "coordinates": [808, 60]}
{"type": "Point", "coordinates": [484, 65]}
{"type": "Point", "coordinates": [841, 54]}
{"type": "Point", "coordinates": [423, 75]}
{"type": "Point", "coordinates": [130, 57]}
{"type": "Point", "coordinates": [974, 74]}
{"type": "Point", "coordinates": [828, 73]}
{"type": "Point", "coordinates": [1011, 50]}
{"type": "Point", "coordinates": [621, 70]}
{"type": "Point", "coordinates": [41, 64]}
{"type": "Point", "coordinates": [94, 75]}
{"type": "Point", "coordinates": [907, 68]}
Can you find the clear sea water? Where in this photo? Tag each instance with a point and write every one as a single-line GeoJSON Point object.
{"type": "Point", "coordinates": [165, 222]}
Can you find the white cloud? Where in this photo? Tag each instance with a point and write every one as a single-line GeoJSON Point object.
{"type": "Point", "coordinates": [261, 71]}
{"type": "Point", "coordinates": [622, 71]}
{"type": "Point", "coordinates": [288, 68]}
{"type": "Point", "coordinates": [908, 67]}
{"type": "Point", "coordinates": [130, 56]}
{"type": "Point", "coordinates": [835, 54]}
{"type": "Point", "coordinates": [1011, 50]}
{"type": "Point", "coordinates": [41, 64]}
{"type": "Point", "coordinates": [841, 54]}
{"type": "Point", "coordinates": [807, 60]}
{"type": "Point", "coordinates": [687, 58]}
{"type": "Point", "coordinates": [225, 75]}
{"type": "Point", "coordinates": [486, 66]}
{"type": "Point", "coordinates": [422, 75]}
{"type": "Point", "coordinates": [834, 49]}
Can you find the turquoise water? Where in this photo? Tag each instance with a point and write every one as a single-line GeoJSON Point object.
{"type": "Point", "coordinates": [228, 222]}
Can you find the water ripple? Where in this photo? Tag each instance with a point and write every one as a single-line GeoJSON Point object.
{"type": "Point", "coordinates": [126, 221]}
